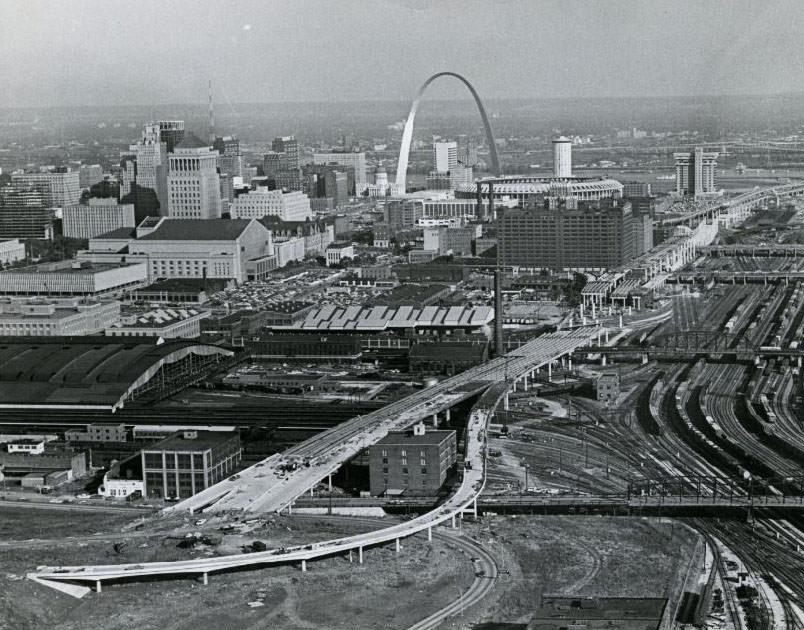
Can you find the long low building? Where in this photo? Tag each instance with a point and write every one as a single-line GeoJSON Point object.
{"type": "Point", "coordinates": [39, 317]}
{"type": "Point", "coordinates": [94, 372]}
{"type": "Point", "coordinates": [74, 278]}
{"type": "Point", "coordinates": [404, 318]}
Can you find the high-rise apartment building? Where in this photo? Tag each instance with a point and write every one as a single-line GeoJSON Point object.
{"type": "Point", "coordinates": [355, 160]}
{"type": "Point", "coordinates": [98, 216]}
{"type": "Point", "coordinates": [401, 214]}
{"type": "Point", "coordinates": [194, 189]}
{"type": "Point", "coordinates": [59, 186]}
{"type": "Point", "coordinates": [695, 173]}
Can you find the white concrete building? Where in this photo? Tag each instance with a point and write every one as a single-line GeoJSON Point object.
{"type": "Point", "coordinates": [212, 248]}
{"type": "Point", "coordinates": [445, 156]}
{"type": "Point", "coordinates": [11, 250]}
{"type": "Point", "coordinates": [59, 187]}
{"type": "Point", "coordinates": [74, 278]}
{"type": "Point", "coordinates": [45, 318]}
{"type": "Point", "coordinates": [194, 188]}
{"type": "Point", "coordinates": [99, 217]}
{"type": "Point", "coordinates": [27, 446]}
{"type": "Point", "coordinates": [288, 206]}
{"type": "Point", "coordinates": [338, 251]}
{"type": "Point", "coordinates": [120, 488]}
{"type": "Point", "coordinates": [562, 157]}
{"type": "Point", "coordinates": [289, 250]}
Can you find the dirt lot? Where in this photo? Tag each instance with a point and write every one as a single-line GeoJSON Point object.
{"type": "Point", "coordinates": [332, 594]}
{"type": "Point", "coordinates": [584, 555]}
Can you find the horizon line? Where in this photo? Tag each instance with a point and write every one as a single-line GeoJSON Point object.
{"type": "Point", "coordinates": [400, 100]}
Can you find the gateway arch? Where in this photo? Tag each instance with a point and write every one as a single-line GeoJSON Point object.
{"type": "Point", "coordinates": [407, 134]}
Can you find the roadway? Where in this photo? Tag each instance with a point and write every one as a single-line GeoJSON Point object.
{"type": "Point", "coordinates": [342, 444]}
{"type": "Point", "coordinates": [274, 483]}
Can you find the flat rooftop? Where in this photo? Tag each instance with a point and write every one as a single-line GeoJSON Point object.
{"type": "Point", "coordinates": [203, 441]}
{"type": "Point", "coordinates": [69, 266]}
{"type": "Point", "coordinates": [407, 437]}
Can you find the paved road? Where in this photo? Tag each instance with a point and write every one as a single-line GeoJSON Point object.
{"type": "Point", "coordinates": [270, 486]}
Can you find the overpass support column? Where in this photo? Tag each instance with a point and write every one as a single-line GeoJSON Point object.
{"type": "Point", "coordinates": [569, 363]}
{"type": "Point", "coordinates": [550, 371]}
{"type": "Point", "coordinates": [447, 415]}
{"type": "Point", "coordinates": [505, 402]}
{"type": "Point", "coordinates": [329, 482]}
{"type": "Point", "coordinates": [360, 555]}
{"type": "Point", "coordinates": [525, 382]}
{"type": "Point", "coordinates": [603, 360]}
{"type": "Point", "coordinates": [97, 586]}
{"type": "Point", "coordinates": [206, 578]}
{"type": "Point", "coordinates": [435, 420]}
{"type": "Point", "coordinates": [304, 567]}
{"type": "Point", "coordinates": [513, 386]}
{"type": "Point", "coordinates": [474, 507]}
{"type": "Point", "coordinates": [398, 548]}
{"type": "Point", "coordinates": [799, 362]}
{"type": "Point", "coordinates": [350, 555]}
{"type": "Point", "coordinates": [429, 534]}
{"type": "Point", "coordinates": [453, 521]}
{"type": "Point", "coordinates": [607, 334]}
{"type": "Point", "coordinates": [644, 359]}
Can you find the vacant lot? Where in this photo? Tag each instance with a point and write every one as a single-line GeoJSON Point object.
{"type": "Point", "coordinates": [334, 593]}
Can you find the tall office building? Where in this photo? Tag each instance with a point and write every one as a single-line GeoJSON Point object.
{"type": "Point", "coordinates": [355, 160]}
{"type": "Point", "coordinates": [562, 157]}
{"type": "Point", "coordinates": [230, 158]}
{"type": "Point", "coordinates": [695, 173]}
{"type": "Point", "coordinates": [24, 214]}
{"type": "Point", "coordinates": [98, 216]}
{"type": "Point", "coordinates": [150, 174]}
{"type": "Point", "coordinates": [287, 164]}
{"type": "Point", "coordinates": [194, 189]}
{"type": "Point", "coordinates": [328, 181]}
{"type": "Point", "coordinates": [568, 234]}
{"type": "Point", "coordinates": [445, 156]}
{"type": "Point", "coordinates": [59, 186]}
{"type": "Point", "coordinates": [171, 133]}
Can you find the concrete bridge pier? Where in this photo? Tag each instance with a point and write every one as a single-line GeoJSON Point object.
{"type": "Point", "coordinates": [350, 555]}
{"type": "Point", "coordinates": [429, 534]}
{"type": "Point", "coordinates": [303, 567]}
{"type": "Point", "coordinates": [435, 420]}
{"type": "Point", "coordinates": [525, 383]}
{"type": "Point", "coordinates": [569, 363]}
{"type": "Point", "coordinates": [644, 359]}
{"type": "Point", "coordinates": [329, 482]}
{"type": "Point", "coordinates": [360, 555]}
{"type": "Point", "coordinates": [206, 577]}
{"type": "Point", "coordinates": [505, 402]}
{"type": "Point", "coordinates": [97, 586]}
{"type": "Point", "coordinates": [453, 521]}
{"type": "Point", "coordinates": [398, 547]}
{"type": "Point", "coordinates": [447, 415]}
{"type": "Point", "coordinates": [603, 360]}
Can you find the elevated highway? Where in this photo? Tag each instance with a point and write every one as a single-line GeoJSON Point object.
{"type": "Point", "coordinates": [347, 441]}
{"type": "Point", "coordinates": [274, 483]}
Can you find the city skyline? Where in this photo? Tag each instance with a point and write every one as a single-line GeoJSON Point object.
{"type": "Point", "coordinates": [348, 51]}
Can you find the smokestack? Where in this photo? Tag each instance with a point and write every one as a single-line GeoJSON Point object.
{"type": "Point", "coordinates": [211, 116]}
{"type": "Point", "coordinates": [498, 313]}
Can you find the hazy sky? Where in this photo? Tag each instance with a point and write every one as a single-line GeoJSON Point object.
{"type": "Point", "coordinates": [75, 52]}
